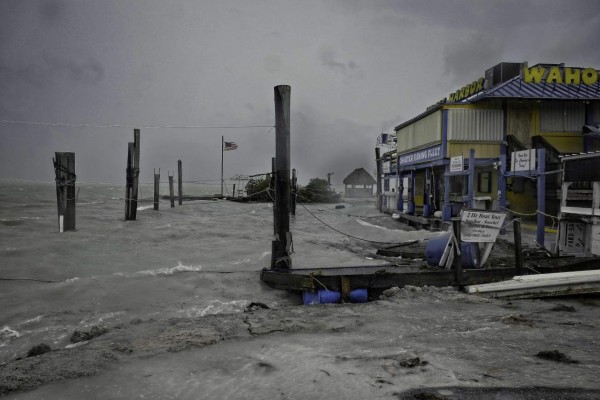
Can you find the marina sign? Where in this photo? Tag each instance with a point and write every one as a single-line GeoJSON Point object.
{"type": "Point", "coordinates": [480, 226]}
{"type": "Point", "coordinates": [432, 153]}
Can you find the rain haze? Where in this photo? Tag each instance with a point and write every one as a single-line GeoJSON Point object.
{"type": "Point", "coordinates": [356, 69]}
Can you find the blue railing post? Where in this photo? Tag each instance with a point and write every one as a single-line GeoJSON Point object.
{"type": "Point", "coordinates": [426, 205]}
{"type": "Point", "coordinates": [541, 196]}
{"type": "Point", "coordinates": [447, 212]}
{"type": "Point", "coordinates": [411, 193]}
{"type": "Point", "coordinates": [471, 178]}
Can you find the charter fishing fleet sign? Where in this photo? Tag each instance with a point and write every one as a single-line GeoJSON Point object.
{"type": "Point", "coordinates": [432, 153]}
{"type": "Point", "coordinates": [480, 226]}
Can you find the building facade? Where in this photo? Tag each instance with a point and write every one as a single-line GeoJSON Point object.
{"type": "Point", "coordinates": [463, 151]}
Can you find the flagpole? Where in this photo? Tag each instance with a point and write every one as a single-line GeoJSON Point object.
{"type": "Point", "coordinates": [222, 145]}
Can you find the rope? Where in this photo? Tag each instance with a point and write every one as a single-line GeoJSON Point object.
{"type": "Point", "coordinates": [87, 125]}
{"type": "Point", "coordinates": [343, 233]}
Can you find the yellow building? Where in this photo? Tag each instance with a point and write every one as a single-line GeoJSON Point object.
{"type": "Point", "coordinates": [460, 152]}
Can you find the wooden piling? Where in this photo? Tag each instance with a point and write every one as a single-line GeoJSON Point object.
{"type": "Point", "coordinates": [282, 243]}
{"type": "Point", "coordinates": [132, 176]}
{"type": "Point", "coordinates": [179, 182]}
{"type": "Point", "coordinates": [156, 188]}
{"type": "Point", "coordinates": [64, 170]}
{"type": "Point", "coordinates": [379, 193]}
{"type": "Point", "coordinates": [294, 192]}
{"type": "Point", "coordinates": [458, 272]}
{"type": "Point", "coordinates": [233, 195]}
{"type": "Point", "coordinates": [518, 247]}
{"type": "Point", "coordinates": [171, 191]}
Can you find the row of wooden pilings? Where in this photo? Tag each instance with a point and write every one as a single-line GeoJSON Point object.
{"type": "Point", "coordinates": [64, 170]}
{"type": "Point", "coordinates": [284, 204]}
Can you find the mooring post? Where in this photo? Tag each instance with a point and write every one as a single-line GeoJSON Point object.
{"type": "Point", "coordinates": [171, 191]}
{"type": "Point", "coordinates": [294, 191]}
{"type": "Point", "coordinates": [132, 176]}
{"type": "Point", "coordinates": [179, 182]}
{"type": "Point", "coordinates": [156, 185]}
{"type": "Point", "coordinates": [379, 194]}
{"type": "Point", "coordinates": [64, 171]}
{"type": "Point", "coordinates": [233, 194]}
{"type": "Point", "coordinates": [282, 243]}
{"type": "Point", "coordinates": [518, 248]}
{"type": "Point", "coordinates": [458, 272]}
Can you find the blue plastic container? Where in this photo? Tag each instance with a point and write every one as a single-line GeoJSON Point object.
{"type": "Point", "coordinates": [329, 296]}
{"type": "Point", "coordinates": [358, 296]}
{"type": "Point", "coordinates": [434, 248]}
{"type": "Point", "coordinates": [310, 298]}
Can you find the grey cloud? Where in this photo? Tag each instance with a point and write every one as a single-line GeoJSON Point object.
{"type": "Point", "coordinates": [51, 10]}
{"type": "Point", "coordinates": [85, 69]}
{"type": "Point", "coordinates": [472, 55]}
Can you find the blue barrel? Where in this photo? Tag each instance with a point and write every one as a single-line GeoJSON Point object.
{"type": "Point", "coordinates": [434, 248]}
{"type": "Point", "coordinates": [329, 296]}
{"type": "Point", "coordinates": [358, 296]}
{"type": "Point", "coordinates": [310, 298]}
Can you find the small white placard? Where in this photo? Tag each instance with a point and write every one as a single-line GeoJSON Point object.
{"type": "Point", "coordinates": [523, 160]}
{"type": "Point", "coordinates": [480, 226]}
{"type": "Point", "coordinates": [456, 164]}
{"type": "Point", "coordinates": [386, 167]}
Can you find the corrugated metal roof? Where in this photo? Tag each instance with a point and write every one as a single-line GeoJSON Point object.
{"type": "Point", "coordinates": [516, 88]}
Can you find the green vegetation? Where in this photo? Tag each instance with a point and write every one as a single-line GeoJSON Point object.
{"type": "Point", "coordinates": [256, 189]}
{"type": "Point", "coordinates": [317, 191]}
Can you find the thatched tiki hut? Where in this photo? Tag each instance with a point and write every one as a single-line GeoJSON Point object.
{"type": "Point", "coordinates": [359, 177]}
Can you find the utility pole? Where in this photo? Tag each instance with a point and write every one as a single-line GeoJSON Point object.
{"type": "Point", "coordinates": [64, 170]}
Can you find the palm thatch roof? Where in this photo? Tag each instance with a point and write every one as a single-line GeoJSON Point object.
{"type": "Point", "coordinates": [359, 177]}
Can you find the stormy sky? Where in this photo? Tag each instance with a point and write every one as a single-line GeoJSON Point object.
{"type": "Point", "coordinates": [356, 68]}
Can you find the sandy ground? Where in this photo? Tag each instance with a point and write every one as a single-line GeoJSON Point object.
{"type": "Point", "coordinates": [465, 345]}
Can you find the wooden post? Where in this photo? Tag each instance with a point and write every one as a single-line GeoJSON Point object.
{"type": "Point", "coordinates": [179, 182]}
{"type": "Point", "coordinates": [171, 191]}
{"type": "Point", "coordinates": [379, 194]}
{"type": "Point", "coordinates": [272, 183]}
{"type": "Point", "coordinates": [518, 248]}
{"type": "Point", "coordinates": [345, 288]}
{"type": "Point", "coordinates": [132, 177]}
{"type": "Point", "coordinates": [156, 188]}
{"type": "Point", "coordinates": [64, 170]}
{"type": "Point", "coordinates": [282, 243]}
{"type": "Point", "coordinates": [234, 190]}
{"type": "Point", "coordinates": [294, 191]}
{"type": "Point", "coordinates": [458, 273]}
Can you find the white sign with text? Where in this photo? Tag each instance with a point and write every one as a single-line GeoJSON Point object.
{"type": "Point", "coordinates": [480, 226]}
{"type": "Point", "coordinates": [456, 164]}
{"type": "Point", "coordinates": [523, 160]}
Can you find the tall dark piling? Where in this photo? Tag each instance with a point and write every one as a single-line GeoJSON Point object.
{"type": "Point", "coordinates": [132, 176]}
{"type": "Point", "coordinates": [282, 243]}
{"type": "Point", "coordinates": [156, 188]}
{"type": "Point", "coordinates": [179, 182]}
{"type": "Point", "coordinates": [64, 170]}
{"type": "Point", "coordinates": [294, 192]}
{"type": "Point", "coordinates": [171, 191]}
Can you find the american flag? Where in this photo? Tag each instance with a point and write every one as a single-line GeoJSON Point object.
{"type": "Point", "coordinates": [229, 146]}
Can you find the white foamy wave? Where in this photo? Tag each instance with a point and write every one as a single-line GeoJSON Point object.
{"type": "Point", "coordinates": [216, 307]}
{"type": "Point", "coordinates": [163, 271]}
{"type": "Point", "coordinates": [365, 223]}
{"type": "Point", "coordinates": [145, 207]}
{"type": "Point", "coordinates": [36, 319]}
{"type": "Point", "coordinates": [6, 334]}
{"type": "Point", "coordinates": [91, 202]}
{"type": "Point", "coordinates": [71, 280]}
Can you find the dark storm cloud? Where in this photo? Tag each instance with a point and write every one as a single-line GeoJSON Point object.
{"type": "Point", "coordinates": [51, 10]}
{"type": "Point", "coordinates": [472, 55]}
{"type": "Point", "coordinates": [321, 145]}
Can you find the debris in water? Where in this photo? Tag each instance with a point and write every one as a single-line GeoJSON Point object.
{"type": "Point", "coordinates": [411, 362]}
{"type": "Point", "coordinates": [555, 355]}
{"type": "Point", "coordinates": [255, 305]}
{"type": "Point", "coordinates": [562, 307]}
{"type": "Point", "coordinates": [38, 349]}
{"type": "Point", "coordinates": [81, 336]}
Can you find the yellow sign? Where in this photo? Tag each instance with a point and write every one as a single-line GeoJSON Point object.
{"type": "Point", "coordinates": [556, 74]}
{"type": "Point", "coordinates": [467, 90]}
